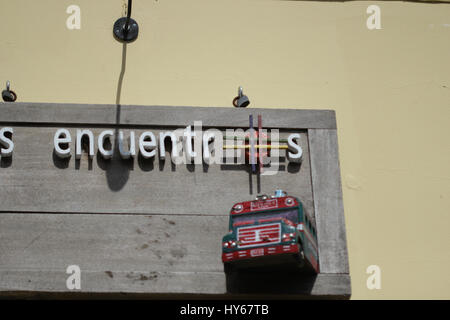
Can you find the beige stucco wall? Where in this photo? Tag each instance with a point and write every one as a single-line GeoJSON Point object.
{"type": "Point", "coordinates": [389, 87]}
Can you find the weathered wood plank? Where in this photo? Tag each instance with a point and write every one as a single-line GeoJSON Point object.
{"type": "Point", "coordinates": [115, 252]}
{"type": "Point", "coordinates": [328, 204]}
{"type": "Point", "coordinates": [169, 241]}
{"type": "Point", "coordinates": [132, 254]}
{"type": "Point", "coordinates": [37, 181]}
{"type": "Point", "coordinates": [175, 284]}
{"type": "Point", "coordinates": [131, 115]}
{"type": "Point", "coordinates": [172, 284]}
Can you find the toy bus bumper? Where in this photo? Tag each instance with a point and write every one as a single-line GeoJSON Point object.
{"type": "Point", "coordinates": [259, 252]}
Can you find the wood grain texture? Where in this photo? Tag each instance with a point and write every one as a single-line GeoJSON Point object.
{"type": "Point", "coordinates": [37, 181]}
{"type": "Point", "coordinates": [133, 254]}
{"type": "Point", "coordinates": [328, 204]}
{"type": "Point", "coordinates": [167, 116]}
{"type": "Point", "coordinates": [150, 227]}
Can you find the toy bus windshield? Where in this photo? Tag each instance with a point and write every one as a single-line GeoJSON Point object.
{"type": "Point", "coordinates": [291, 214]}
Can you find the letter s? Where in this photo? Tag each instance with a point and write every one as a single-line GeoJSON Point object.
{"type": "Point", "coordinates": [293, 146]}
{"type": "Point", "coordinates": [6, 143]}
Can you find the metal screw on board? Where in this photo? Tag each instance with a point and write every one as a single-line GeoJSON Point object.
{"type": "Point", "coordinates": [8, 95]}
{"type": "Point", "coordinates": [126, 29]}
{"type": "Point", "coordinates": [241, 101]}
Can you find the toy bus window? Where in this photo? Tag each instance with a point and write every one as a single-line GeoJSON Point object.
{"type": "Point", "coordinates": [291, 215]}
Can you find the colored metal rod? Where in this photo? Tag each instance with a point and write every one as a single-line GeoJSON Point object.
{"type": "Point", "coordinates": [252, 143]}
{"type": "Point", "coordinates": [247, 138]}
{"type": "Point", "coordinates": [265, 146]}
{"type": "Point", "coordinates": [260, 143]}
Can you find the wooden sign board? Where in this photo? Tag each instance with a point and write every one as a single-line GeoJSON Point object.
{"type": "Point", "coordinates": [147, 226]}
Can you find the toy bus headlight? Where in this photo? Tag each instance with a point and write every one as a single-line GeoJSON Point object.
{"type": "Point", "coordinates": [229, 244]}
{"type": "Point", "coordinates": [289, 202]}
{"type": "Point", "coordinates": [238, 208]}
{"type": "Point", "coordinates": [288, 236]}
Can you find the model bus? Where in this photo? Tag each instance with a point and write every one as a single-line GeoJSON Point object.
{"type": "Point", "coordinates": [270, 231]}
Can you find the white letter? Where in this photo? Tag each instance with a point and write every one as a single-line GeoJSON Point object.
{"type": "Point", "coordinates": [188, 135]}
{"type": "Point", "coordinates": [150, 145]}
{"type": "Point", "coordinates": [6, 142]}
{"type": "Point", "coordinates": [106, 154]}
{"type": "Point", "coordinates": [374, 280]}
{"type": "Point", "coordinates": [80, 134]}
{"type": "Point", "coordinates": [373, 21]}
{"type": "Point", "coordinates": [234, 138]}
{"type": "Point", "coordinates": [162, 149]}
{"type": "Point", "coordinates": [179, 156]}
{"type": "Point", "coordinates": [217, 137]}
{"type": "Point", "coordinates": [66, 139]}
{"type": "Point", "coordinates": [74, 280]}
{"type": "Point", "coordinates": [293, 146]}
{"type": "Point", "coordinates": [132, 152]}
{"type": "Point", "coordinates": [198, 139]}
{"type": "Point", "coordinates": [73, 21]}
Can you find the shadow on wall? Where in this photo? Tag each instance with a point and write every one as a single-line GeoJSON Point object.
{"type": "Point", "coordinates": [117, 169]}
{"type": "Point", "coordinates": [270, 283]}
{"type": "Point", "coordinates": [5, 162]}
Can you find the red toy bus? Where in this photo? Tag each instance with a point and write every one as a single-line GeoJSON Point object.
{"type": "Point", "coordinates": [270, 231]}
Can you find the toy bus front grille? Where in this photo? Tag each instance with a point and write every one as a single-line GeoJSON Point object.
{"type": "Point", "coordinates": [259, 235]}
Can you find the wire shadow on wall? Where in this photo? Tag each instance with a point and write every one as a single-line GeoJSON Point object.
{"type": "Point", "coordinates": [117, 169]}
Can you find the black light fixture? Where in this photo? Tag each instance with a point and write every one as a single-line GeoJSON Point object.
{"type": "Point", "coordinates": [126, 29]}
{"type": "Point", "coordinates": [8, 95]}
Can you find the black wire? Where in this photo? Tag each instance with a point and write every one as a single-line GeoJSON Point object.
{"type": "Point", "coordinates": [130, 3]}
{"type": "Point", "coordinates": [127, 27]}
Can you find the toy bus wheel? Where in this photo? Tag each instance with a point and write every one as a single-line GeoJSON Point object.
{"type": "Point", "coordinates": [300, 260]}
{"type": "Point", "coordinates": [228, 268]}
{"type": "Point", "coordinates": [300, 257]}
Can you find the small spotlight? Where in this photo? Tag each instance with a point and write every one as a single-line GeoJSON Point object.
{"type": "Point", "coordinates": [8, 95]}
{"type": "Point", "coordinates": [241, 101]}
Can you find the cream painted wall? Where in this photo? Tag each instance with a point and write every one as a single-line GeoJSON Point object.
{"type": "Point", "coordinates": [389, 87]}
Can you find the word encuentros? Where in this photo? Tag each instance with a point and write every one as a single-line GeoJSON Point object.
{"type": "Point", "coordinates": [188, 145]}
